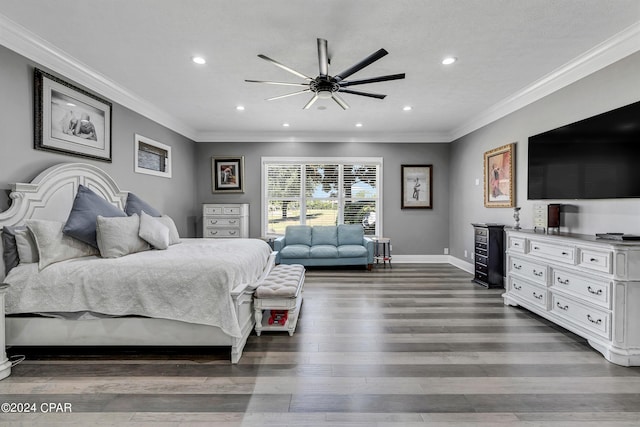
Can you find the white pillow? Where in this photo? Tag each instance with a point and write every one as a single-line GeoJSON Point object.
{"type": "Point", "coordinates": [26, 246]}
{"type": "Point", "coordinates": [153, 231]}
{"type": "Point", "coordinates": [118, 236]}
{"type": "Point", "coordinates": [53, 246]}
{"type": "Point", "coordinates": [174, 237]}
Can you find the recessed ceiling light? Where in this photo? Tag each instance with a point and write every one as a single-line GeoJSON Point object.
{"type": "Point", "coordinates": [358, 125]}
{"type": "Point", "coordinates": [240, 108]}
{"type": "Point", "coordinates": [286, 125]}
{"type": "Point", "coordinates": [407, 108]}
{"type": "Point", "coordinates": [449, 60]}
{"type": "Point", "coordinates": [199, 60]}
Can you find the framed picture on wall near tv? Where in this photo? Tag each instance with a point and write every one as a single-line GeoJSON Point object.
{"type": "Point", "coordinates": [499, 177]}
{"type": "Point", "coordinates": [417, 187]}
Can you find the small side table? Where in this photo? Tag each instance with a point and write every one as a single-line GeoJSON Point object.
{"type": "Point", "coordinates": [382, 250]}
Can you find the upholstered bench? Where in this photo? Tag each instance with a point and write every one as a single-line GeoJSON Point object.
{"type": "Point", "coordinates": [278, 299]}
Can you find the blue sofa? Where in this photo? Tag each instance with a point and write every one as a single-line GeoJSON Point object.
{"type": "Point", "coordinates": [324, 246]}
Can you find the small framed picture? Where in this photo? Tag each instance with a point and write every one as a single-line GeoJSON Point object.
{"type": "Point", "coordinates": [499, 177]}
{"type": "Point", "coordinates": [227, 174]}
{"type": "Point", "coordinates": [417, 184]}
{"type": "Point", "coordinates": [152, 157]}
{"type": "Point", "coordinates": [70, 120]}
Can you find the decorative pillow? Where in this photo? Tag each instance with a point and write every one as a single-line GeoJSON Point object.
{"type": "Point", "coordinates": [27, 248]}
{"type": "Point", "coordinates": [87, 205]}
{"type": "Point", "coordinates": [136, 205]}
{"type": "Point", "coordinates": [53, 245]}
{"type": "Point", "coordinates": [174, 237]}
{"type": "Point", "coordinates": [119, 236]}
{"type": "Point", "coordinates": [10, 248]}
{"type": "Point", "coordinates": [153, 231]}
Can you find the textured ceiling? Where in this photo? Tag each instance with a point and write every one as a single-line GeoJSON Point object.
{"type": "Point", "coordinates": [145, 47]}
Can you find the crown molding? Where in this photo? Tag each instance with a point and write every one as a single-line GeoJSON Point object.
{"type": "Point", "coordinates": [606, 53]}
{"type": "Point", "coordinates": [24, 42]}
{"type": "Point", "coordinates": [345, 137]}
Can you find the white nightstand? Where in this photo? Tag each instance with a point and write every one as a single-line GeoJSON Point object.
{"type": "Point", "coordinates": [5, 364]}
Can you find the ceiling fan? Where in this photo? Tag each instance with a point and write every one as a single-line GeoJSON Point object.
{"type": "Point", "coordinates": [325, 86]}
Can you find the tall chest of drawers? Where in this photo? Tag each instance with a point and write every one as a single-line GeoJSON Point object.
{"type": "Point", "coordinates": [489, 255]}
{"type": "Point", "coordinates": [586, 285]}
{"type": "Point", "coordinates": [225, 220]}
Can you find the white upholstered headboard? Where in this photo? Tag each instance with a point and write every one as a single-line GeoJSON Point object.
{"type": "Point", "coordinates": [50, 195]}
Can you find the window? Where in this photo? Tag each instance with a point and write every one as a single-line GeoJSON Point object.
{"type": "Point", "coordinates": [321, 191]}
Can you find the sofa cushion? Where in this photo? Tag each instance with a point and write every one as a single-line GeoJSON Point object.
{"type": "Point", "coordinates": [350, 234]}
{"type": "Point", "coordinates": [295, 251]}
{"type": "Point", "coordinates": [352, 251]}
{"type": "Point", "coordinates": [323, 251]}
{"type": "Point", "coordinates": [324, 235]}
{"type": "Point", "coordinates": [297, 235]}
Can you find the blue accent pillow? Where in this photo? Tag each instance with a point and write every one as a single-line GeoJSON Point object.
{"type": "Point", "coordinates": [10, 248]}
{"type": "Point", "coordinates": [81, 223]}
{"type": "Point", "coordinates": [135, 205]}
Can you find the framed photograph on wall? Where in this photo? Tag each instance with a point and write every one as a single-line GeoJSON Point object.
{"type": "Point", "coordinates": [152, 157]}
{"type": "Point", "coordinates": [70, 120]}
{"type": "Point", "coordinates": [499, 177]}
{"type": "Point", "coordinates": [417, 186]}
{"type": "Point", "coordinates": [227, 174]}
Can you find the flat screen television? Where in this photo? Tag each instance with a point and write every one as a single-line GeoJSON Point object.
{"type": "Point", "coordinates": [595, 158]}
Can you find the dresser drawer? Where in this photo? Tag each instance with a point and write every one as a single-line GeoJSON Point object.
{"type": "Point", "coordinates": [482, 232]}
{"type": "Point", "coordinates": [516, 244]}
{"type": "Point", "coordinates": [592, 290]}
{"type": "Point", "coordinates": [529, 292]}
{"type": "Point", "coordinates": [558, 253]}
{"type": "Point", "coordinates": [222, 232]}
{"type": "Point", "coordinates": [529, 270]}
{"type": "Point", "coordinates": [221, 222]}
{"type": "Point", "coordinates": [595, 260]}
{"type": "Point", "coordinates": [481, 239]}
{"type": "Point", "coordinates": [597, 321]}
{"type": "Point", "coordinates": [482, 268]}
{"type": "Point", "coordinates": [212, 210]}
{"type": "Point", "coordinates": [235, 210]}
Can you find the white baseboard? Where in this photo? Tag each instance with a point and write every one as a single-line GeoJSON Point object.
{"type": "Point", "coordinates": [433, 259]}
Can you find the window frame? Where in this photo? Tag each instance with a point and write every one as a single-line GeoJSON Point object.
{"type": "Point", "coordinates": [303, 162]}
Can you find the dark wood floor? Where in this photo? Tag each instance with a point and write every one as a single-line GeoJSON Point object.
{"type": "Point", "coordinates": [415, 345]}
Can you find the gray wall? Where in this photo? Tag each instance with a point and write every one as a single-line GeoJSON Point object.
{"type": "Point", "coordinates": [413, 231]}
{"type": "Point", "coordinates": [20, 162]}
{"type": "Point", "coordinates": [612, 87]}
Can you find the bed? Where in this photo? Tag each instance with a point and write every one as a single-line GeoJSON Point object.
{"type": "Point", "coordinates": [195, 293]}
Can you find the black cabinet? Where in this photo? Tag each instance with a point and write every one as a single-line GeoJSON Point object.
{"type": "Point", "coordinates": [489, 255]}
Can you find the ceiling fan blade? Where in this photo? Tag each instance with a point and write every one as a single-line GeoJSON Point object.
{"type": "Point", "coordinates": [360, 65]}
{"type": "Point", "coordinates": [371, 95]}
{"type": "Point", "coordinates": [340, 101]}
{"type": "Point", "coordinates": [372, 80]}
{"type": "Point", "coordinates": [278, 83]}
{"type": "Point", "coordinates": [289, 94]}
{"type": "Point", "coordinates": [310, 103]}
{"type": "Point", "coordinates": [284, 67]}
{"type": "Point", "coordinates": [323, 57]}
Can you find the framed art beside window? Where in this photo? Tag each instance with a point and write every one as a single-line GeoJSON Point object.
{"type": "Point", "coordinates": [417, 187]}
{"type": "Point", "coordinates": [70, 120]}
{"type": "Point", "coordinates": [499, 177]}
{"type": "Point", "coordinates": [227, 174]}
{"type": "Point", "coordinates": [152, 157]}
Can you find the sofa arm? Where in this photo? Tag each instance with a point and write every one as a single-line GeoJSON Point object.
{"type": "Point", "coordinates": [278, 244]}
{"type": "Point", "coordinates": [368, 243]}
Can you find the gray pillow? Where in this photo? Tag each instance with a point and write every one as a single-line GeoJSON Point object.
{"type": "Point", "coordinates": [119, 236]}
{"type": "Point", "coordinates": [27, 248]}
{"type": "Point", "coordinates": [136, 205]}
{"type": "Point", "coordinates": [153, 231]}
{"type": "Point", "coordinates": [53, 245]}
{"type": "Point", "coordinates": [174, 237]}
{"type": "Point", "coordinates": [10, 248]}
{"type": "Point", "coordinates": [81, 223]}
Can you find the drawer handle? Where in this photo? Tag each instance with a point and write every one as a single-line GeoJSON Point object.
{"type": "Point", "coordinates": [516, 244]}
{"type": "Point", "coordinates": [516, 287]}
{"type": "Point", "coordinates": [214, 232]}
{"type": "Point", "coordinates": [213, 221]}
{"type": "Point", "coordinates": [597, 322]}
{"type": "Point", "coordinates": [565, 253]}
{"type": "Point", "coordinates": [517, 267]}
{"type": "Point", "coordinates": [232, 221]}
{"type": "Point", "coordinates": [593, 260]}
{"type": "Point", "coordinates": [537, 273]}
{"type": "Point", "coordinates": [232, 232]}
{"type": "Point", "coordinates": [561, 307]}
{"type": "Point", "coordinates": [536, 248]}
{"type": "Point", "coordinates": [537, 296]}
{"type": "Point", "coordinates": [591, 291]}
{"type": "Point", "coordinates": [562, 282]}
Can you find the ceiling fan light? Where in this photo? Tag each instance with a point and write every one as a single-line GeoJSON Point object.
{"type": "Point", "coordinates": [324, 94]}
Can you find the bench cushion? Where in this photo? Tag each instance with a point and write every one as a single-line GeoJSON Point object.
{"type": "Point", "coordinates": [282, 282]}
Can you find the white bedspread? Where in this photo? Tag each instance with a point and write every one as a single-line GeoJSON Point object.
{"type": "Point", "coordinates": [190, 282]}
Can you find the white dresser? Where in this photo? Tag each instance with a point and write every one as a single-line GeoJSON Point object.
{"type": "Point", "coordinates": [224, 220]}
{"type": "Point", "coordinates": [586, 285]}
